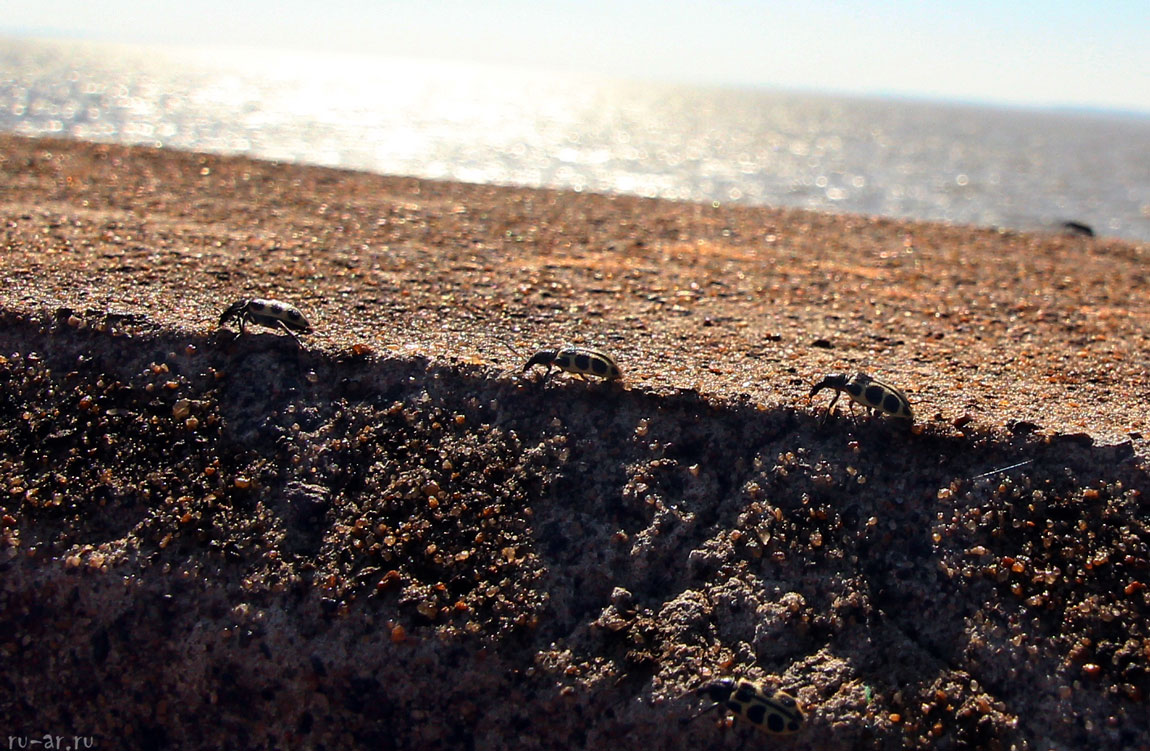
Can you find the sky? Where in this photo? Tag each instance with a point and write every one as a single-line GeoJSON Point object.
{"type": "Point", "coordinates": [1066, 54]}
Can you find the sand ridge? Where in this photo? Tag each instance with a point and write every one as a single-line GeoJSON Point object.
{"type": "Point", "coordinates": [391, 537]}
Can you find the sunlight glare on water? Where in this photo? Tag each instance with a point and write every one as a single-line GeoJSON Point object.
{"type": "Point", "coordinates": [1025, 169]}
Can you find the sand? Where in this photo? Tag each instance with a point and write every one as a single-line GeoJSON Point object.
{"type": "Point", "coordinates": [392, 537]}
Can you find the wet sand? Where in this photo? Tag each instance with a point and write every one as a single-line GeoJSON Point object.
{"type": "Point", "coordinates": [393, 537]}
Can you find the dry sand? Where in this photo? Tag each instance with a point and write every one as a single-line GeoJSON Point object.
{"type": "Point", "coordinates": [392, 538]}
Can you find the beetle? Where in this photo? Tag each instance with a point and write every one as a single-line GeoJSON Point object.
{"type": "Point", "coordinates": [770, 710]}
{"type": "Point", "coordinates": [867, 391]}
{"type": "Point", "coordinates": [581, 361]}
{"type": "Point", "coordinates": [271, 313]}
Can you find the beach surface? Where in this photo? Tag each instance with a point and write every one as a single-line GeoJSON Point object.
{"type": "Point", "coordinates": [393, 537]}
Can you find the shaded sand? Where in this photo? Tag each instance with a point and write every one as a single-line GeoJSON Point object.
{"type": "Point", "coordinates": [393, 539]}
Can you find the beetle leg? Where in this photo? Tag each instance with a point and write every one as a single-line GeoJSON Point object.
{"type": "Point", "coordinates": [832, 405]}
{"type": "Point", "coordinates": [283, 326]}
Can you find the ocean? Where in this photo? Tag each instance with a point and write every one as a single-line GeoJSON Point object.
{"type": "Point", "coordinates": [1028, 169]}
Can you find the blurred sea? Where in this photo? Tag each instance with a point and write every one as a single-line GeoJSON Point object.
{"type": "Point", "coordinates": [1017, 168]}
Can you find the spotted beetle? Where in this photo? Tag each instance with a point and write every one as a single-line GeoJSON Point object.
{"type": "Point", "coordinates": [869, 392]}
{"type": "Point", "coordinates": [271, 313]}
{"type": "Point", "coordinates": [578, 360]}
{"type": "Point", "coordinates": [770, 710]}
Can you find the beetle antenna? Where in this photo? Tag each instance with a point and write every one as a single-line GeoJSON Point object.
{"type": "Point", "coordinates": [697, 715]}
{"type": "Point", "coordinates": [511, 347]}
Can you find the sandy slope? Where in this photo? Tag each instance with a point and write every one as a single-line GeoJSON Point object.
{"type": "Point", "coordinates": [391, 538]}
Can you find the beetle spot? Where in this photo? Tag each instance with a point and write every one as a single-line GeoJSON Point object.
{"type": "Point", "coordinates": [892, 404]}
{"type": "Point", "coordinates": [758, 712]}
{"type": "Point", "coordinates": [563, 361]}
{"type": "Point", "coordinates": [853, 389]}
{"type": "Point", "coordinates": [582, 361]}
{"type": "Point", "coordinates": [256, 305]}
{"type": "Point", "coordinates": [776, 725]}
{"type": "Point", "coordinates": [874, 395]}
{"type": "Point", "coordinates": [599, 366]}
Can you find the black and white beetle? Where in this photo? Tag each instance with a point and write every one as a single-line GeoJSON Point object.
{"type": "Point", "coordinates": [271, 313]}
{"type": "Point", "coordinates": [867, 391]}
{"type": "Point", "coordinates": [770, 710]}
{"type": "Point", "coordinates": [578, 360]}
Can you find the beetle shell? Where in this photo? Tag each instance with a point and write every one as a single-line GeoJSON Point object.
{"type": "Point", "coordinates": [770, 710]}
{"type": "Point", "coordinates": [271, 313]}
{"type": "Point", "coordinates": [581, 361]}
{"type": "Point", "coordinates": [867, 391]}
